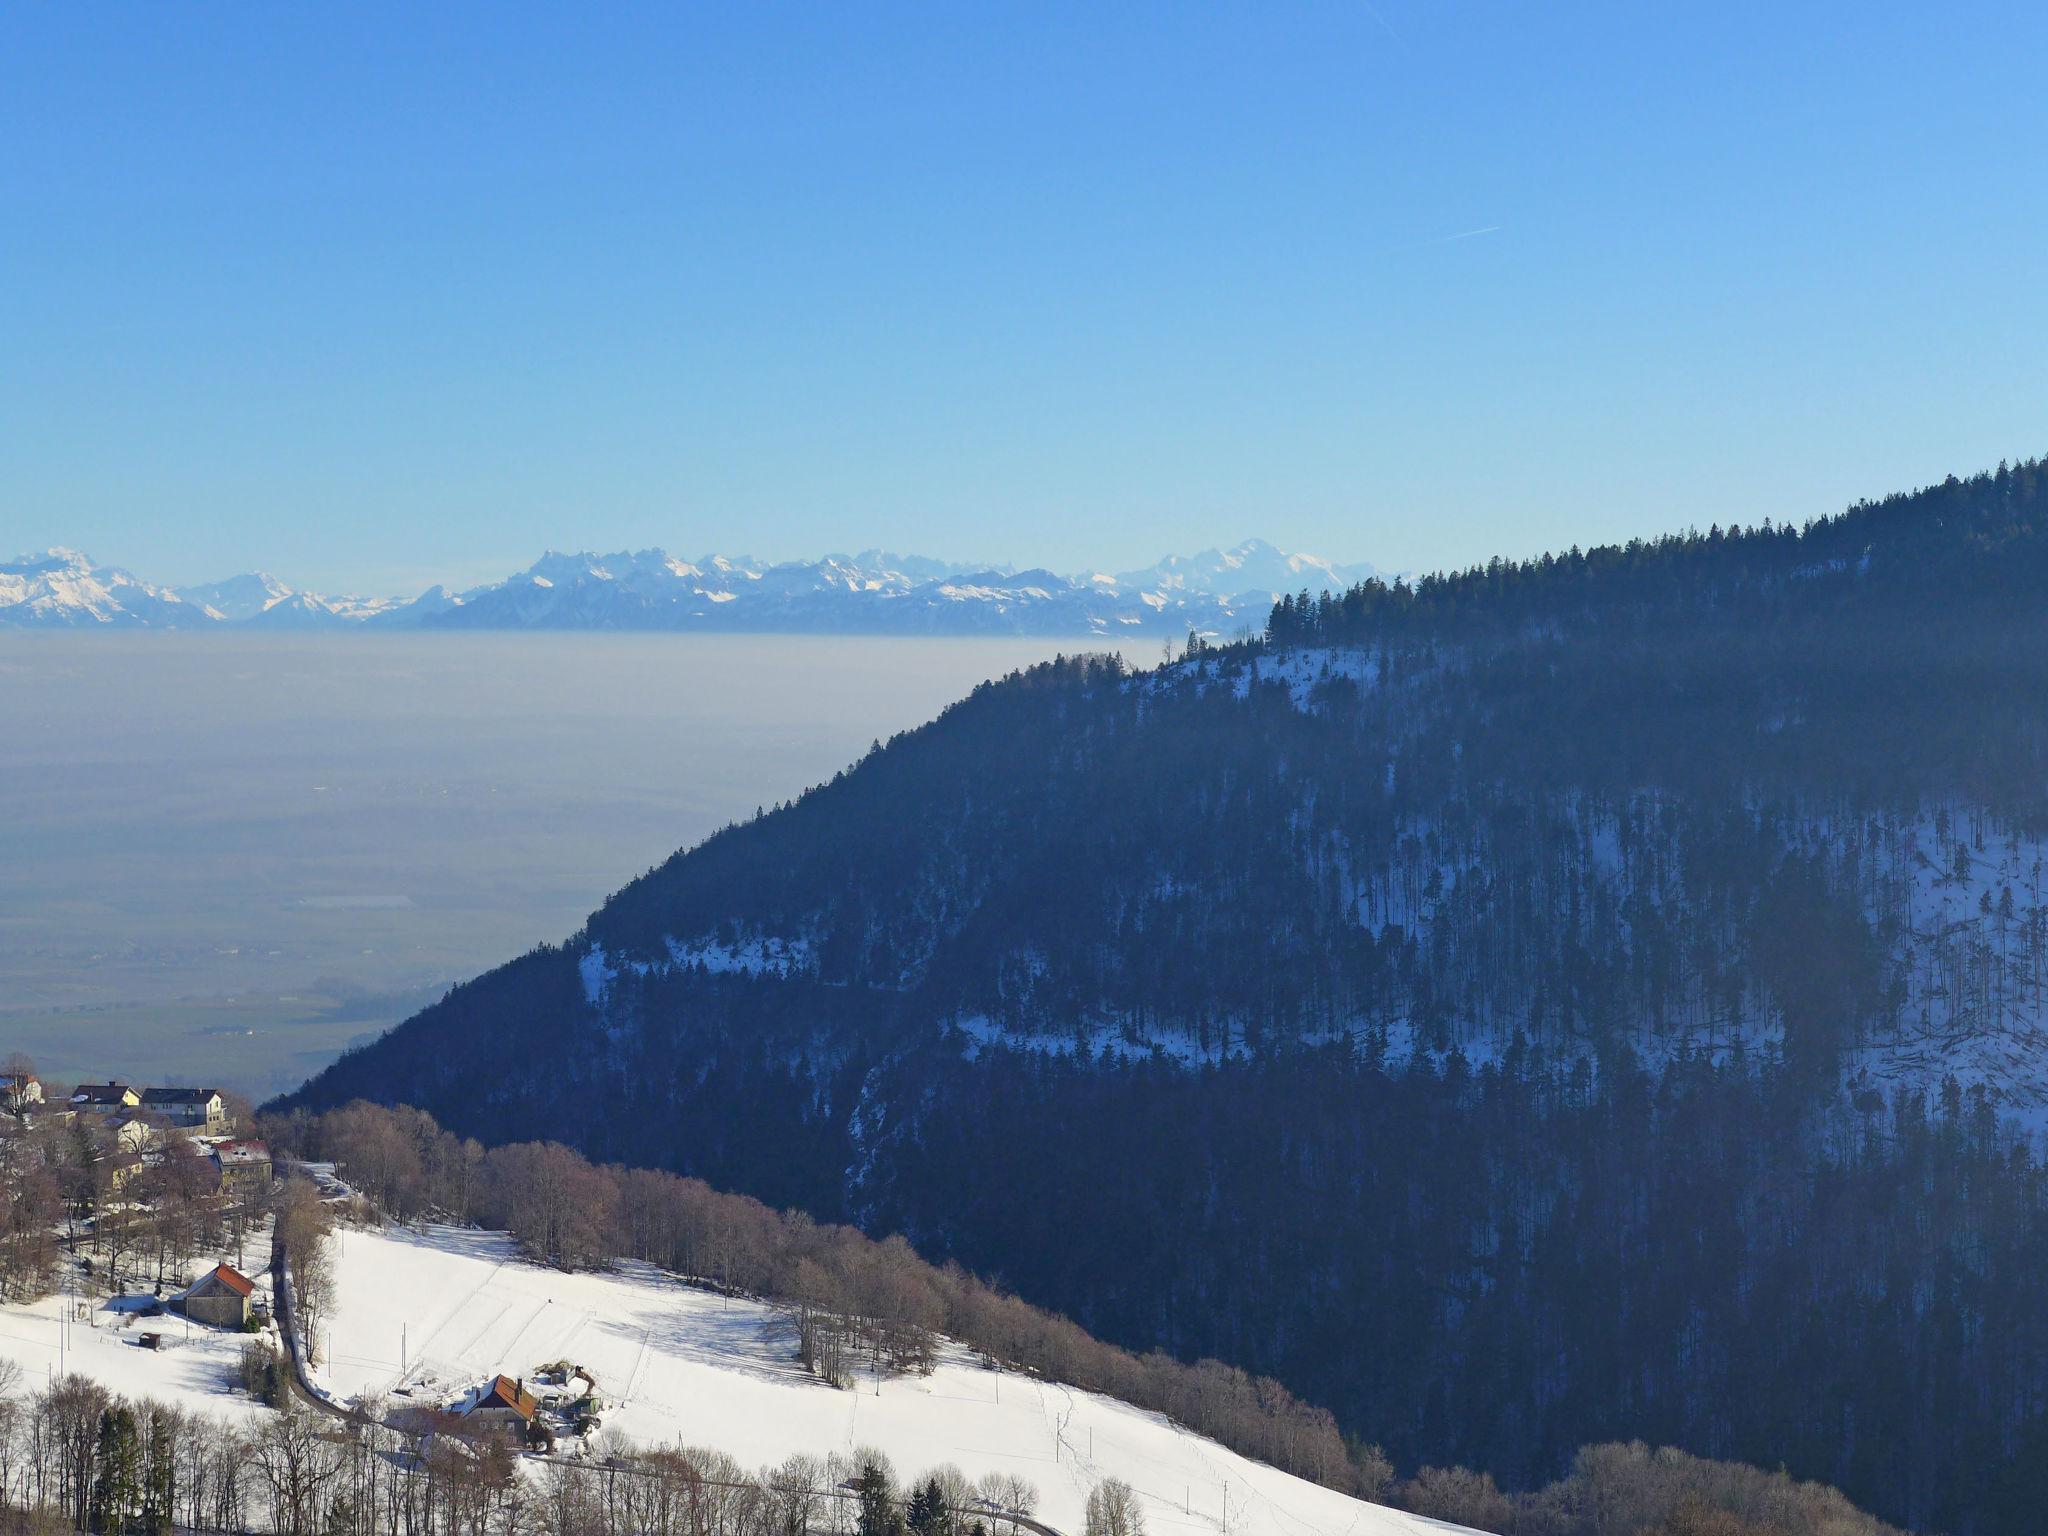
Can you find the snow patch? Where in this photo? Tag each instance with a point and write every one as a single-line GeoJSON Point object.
{"type": "Point", "coordinates": [597, 975]}
{"type": "Point", "coordinates": [766, 955]}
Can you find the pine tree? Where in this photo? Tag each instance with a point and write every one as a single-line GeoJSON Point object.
{"type": "Point", "coordinates": [116, 1472]}
{"type": "Point", "coordinates": [878, 1513]}
{"type": "Point", "coordinates": [159, 1480]}
{"type": "Point", "coordinates": [928, 1515]}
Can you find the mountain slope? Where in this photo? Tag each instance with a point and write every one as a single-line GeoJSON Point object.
{"type": "Point", "coordinates": [238, 598]}
{"type": "Point", "coordinates": [1554, 1001]}
{"type": "Point", "coordinates": [61, 588]}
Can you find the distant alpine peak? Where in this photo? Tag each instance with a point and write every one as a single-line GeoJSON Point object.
{"type": "Point", "coordinates": [1254, 565]}
{"type": "Point", "coordinates": [55, 555]}
{"type": "Point", "coordinates": [52, 561]}
{"type": "Point", "coordinates": [875, 591]}
{"type": "Point", "coordinates": [61, 588]}
{"type": "Point", "coordinates": [239, 598]}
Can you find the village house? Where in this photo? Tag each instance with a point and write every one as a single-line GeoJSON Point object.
{"type": "Point", "coordinates": [199, 1109]}
{"type": "Point", "coordinates": [504, 1404]}
{"type": "Point", "coordinates": [220, 1297]}
{"type": "Point", "coordinates": [245, 1167]}
{"type": "Point", "coordinates": [122, 1170]}
{"type": "Point", "coordinates": [104, 1098]}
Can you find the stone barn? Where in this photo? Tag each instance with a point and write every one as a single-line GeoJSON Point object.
{"type": "Point", "coordinates": [221, 1298]}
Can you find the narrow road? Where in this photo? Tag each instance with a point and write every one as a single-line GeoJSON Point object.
{"type": "Point", "coordinates": [288, 1325]}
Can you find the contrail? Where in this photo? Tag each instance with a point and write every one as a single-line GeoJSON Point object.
{"type": "Point", "coordinates": [1463, 234]}
{"type": "Point", "coordinates": [1385, 26]}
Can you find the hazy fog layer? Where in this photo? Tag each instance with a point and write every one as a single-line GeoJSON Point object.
{"type": "Point", "coordinates": [227, 856]}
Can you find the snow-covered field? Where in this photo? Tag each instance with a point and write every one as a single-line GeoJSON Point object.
{"type": "Point", "coordinates": [678, 1364]}
{"type": "Point", "coordinates": [195, 1369]}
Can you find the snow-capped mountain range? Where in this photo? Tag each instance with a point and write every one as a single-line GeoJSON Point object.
{"type": "Point", "coordinates": [874, 592]}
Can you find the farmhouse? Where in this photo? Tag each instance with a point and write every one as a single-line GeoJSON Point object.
{"type": "Point", "coordinates": [504, 1403]}
{"type": "Point", "coordinates": [220, 1297]}
{"type": "Point", "coordinates": [202, 1109]}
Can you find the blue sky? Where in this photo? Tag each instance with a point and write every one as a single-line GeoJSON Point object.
{"type": "Point", "coordinates": [374, 296]}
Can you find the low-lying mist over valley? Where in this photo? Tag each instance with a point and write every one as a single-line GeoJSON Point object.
{"type": "Point", "coordinates": [232, 854]}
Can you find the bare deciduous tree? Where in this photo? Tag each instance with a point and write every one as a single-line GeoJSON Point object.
{"type": "Point", "coordinates": [1113, 1510]}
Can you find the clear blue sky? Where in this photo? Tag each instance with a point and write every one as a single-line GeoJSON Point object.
{"type": "Point", "coordinates": [378, 295]}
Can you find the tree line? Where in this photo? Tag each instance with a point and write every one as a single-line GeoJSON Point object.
{"type": "Point", "coordinates": [75, 1457]}
{"type": "Point", "coordinates": [888, 1307]}
{"type": "Point", "coordinates": [857, 1300]}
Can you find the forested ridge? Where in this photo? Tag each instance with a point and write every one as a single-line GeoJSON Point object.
{"type": "Point", "coordinates": [1594, 996]}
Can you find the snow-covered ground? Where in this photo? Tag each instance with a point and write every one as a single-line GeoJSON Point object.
{"type": "Point", "coordinates": [678, 1364]}
{"type": "Point", "coordinates": [196, 1368]}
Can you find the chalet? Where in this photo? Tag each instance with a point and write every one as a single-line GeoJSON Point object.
{"type": "Point", "coordinates": [220, 1297]}
{"type": "Point", "coordinates": [20, 1091]}
{"type": "Point", "coordinates": [104, 1098]}
{"type": "Point", "coordinates": [244, 1166]}
{"type": "Point", "coordinates": [200, 1109]}
{"type": "Point", "coordinates": [504, 1404]}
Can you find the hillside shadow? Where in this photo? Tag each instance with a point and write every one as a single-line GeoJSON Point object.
{"type": "Point", "coordinates": [746, 1340]}
{"type": "Point", "coordinates": [458, 1242]}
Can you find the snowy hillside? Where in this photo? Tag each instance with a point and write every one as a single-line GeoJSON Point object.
{"type": "Point", "coordinates": [677, 1364]}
